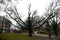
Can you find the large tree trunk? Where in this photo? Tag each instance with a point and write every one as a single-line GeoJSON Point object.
{"type": "Point", "coordinates": [29, 27]}
{"type": "Point", "coordinates": [30, 32]}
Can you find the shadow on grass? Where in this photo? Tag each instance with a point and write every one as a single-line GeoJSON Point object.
{"type": "Point", "coordinates": [2, 39]}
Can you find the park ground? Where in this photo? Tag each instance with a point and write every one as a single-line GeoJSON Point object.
{"type": "Point", "coordinates": [22, 36]}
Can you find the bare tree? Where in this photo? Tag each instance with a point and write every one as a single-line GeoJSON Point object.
{"type": "Point", "coordinates": [13, 13]}
{"type": "Point", "coordinates": [2, 24]}
{"type": "Point", "coordinates": [54, 8]}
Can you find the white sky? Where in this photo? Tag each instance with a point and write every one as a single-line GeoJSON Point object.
{"type": "Point", "coordinates": [22, 6]}
{"type": "Point", "coordinates": [39, 5]}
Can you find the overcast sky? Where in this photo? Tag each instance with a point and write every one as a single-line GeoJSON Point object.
{"type": "Point", "coordinates": [39, 5]}
{"type": "Point", "coordinates": [22, 7]}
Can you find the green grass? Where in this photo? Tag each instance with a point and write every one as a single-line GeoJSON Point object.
{"type": "Point", "coordinates": [21, 36]}
{"type": "Point", "coordinates": [15, 36]}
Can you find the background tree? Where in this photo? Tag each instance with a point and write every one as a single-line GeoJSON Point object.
{"type": "Point", "coordinates": [54, 8]}
{"type": "Point", "coordinates": [5, 24]}
{"type": "Point", "coordinates": [55, 27]}
{"type": "Point", "coordinates": [2, 19]}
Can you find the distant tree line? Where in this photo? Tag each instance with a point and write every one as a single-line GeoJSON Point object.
{"type": "Point", "coordinates": [5, 24]}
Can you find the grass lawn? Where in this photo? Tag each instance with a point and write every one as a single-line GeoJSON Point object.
{"type": "Point", "coordinates": [17, 36]}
